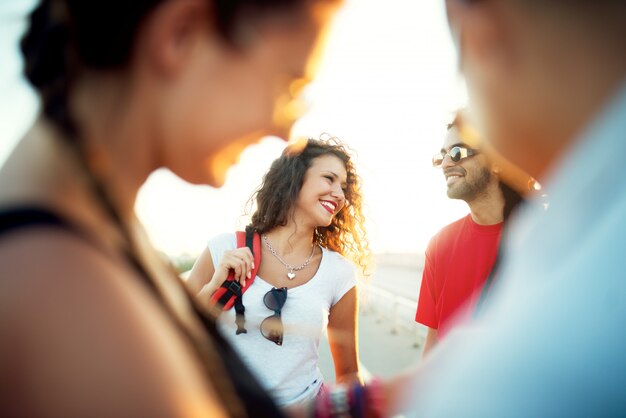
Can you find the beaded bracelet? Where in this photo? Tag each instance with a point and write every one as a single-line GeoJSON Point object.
{"type": "Point", "coordinates": [375, 399]}
{"type": "Point", "coordinates": [357, 401]}
{"type": "Point", "coordinates": [339, 407]}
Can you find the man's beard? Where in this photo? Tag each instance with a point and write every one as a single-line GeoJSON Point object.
{"type": "Point", "coordinates": [469, 191]}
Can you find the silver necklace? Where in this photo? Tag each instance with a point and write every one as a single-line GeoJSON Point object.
{"type": "Point", "coordinates": [290, 269]}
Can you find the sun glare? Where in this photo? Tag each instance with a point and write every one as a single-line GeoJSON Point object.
{"type": "Point", "coordinates": [387, 85]}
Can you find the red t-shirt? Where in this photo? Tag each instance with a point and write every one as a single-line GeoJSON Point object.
{"type": "Point", "coordinates": [458, 260]}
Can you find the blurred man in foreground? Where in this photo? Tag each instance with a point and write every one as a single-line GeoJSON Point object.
{"type": "Point", "coordinates": [548, 81]}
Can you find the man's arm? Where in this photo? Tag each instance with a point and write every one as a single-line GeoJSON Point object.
{"type": "Point", "coordinates": [426, 313]}
{"type": "Point", "coordinates": [431, 340]}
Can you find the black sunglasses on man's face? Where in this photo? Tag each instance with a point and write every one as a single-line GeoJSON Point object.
{"type": "Point", "coordinates": [456, 153]}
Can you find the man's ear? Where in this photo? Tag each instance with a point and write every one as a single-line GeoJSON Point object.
{"type": "Point", "coordinates": [172, 32]}
{"type": "Point", "coordinates": [482, 32]}
{"type": "Point", "coordinates": [495, 169]}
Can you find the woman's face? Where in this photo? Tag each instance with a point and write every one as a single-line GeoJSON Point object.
{"type": "Point", "coordinates": [231, 97]}
{"type": "Point", "coordinates": [322, 194]}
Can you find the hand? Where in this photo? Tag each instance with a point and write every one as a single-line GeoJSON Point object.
{"type": "Point", "coordinates": [239, 260]}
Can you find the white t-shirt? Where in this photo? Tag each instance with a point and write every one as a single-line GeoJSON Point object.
{"type": "Point", "coordinates": [289, 372]}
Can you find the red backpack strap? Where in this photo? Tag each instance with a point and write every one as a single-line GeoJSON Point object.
{"type": "Point", "coordinates": [230, 293]}
{"type": "Point", "coordinates": [253, 241]}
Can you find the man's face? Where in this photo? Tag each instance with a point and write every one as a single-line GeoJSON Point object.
{"type": "Point", "coordinates": [508, 100]}
{"type": "Point", "coordinates": [469, 177]}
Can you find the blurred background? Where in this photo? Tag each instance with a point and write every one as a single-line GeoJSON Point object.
{"type": "Point", "coordinates": [387, 86]}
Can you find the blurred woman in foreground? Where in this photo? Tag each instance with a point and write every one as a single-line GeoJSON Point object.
{"type": "Point", "coordinates": [98, 325]}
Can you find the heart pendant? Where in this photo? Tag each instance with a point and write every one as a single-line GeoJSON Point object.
{"type": "Point", "coordinates": [291, 275]}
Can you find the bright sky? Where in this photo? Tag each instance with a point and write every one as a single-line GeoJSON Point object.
{"type": "Point", "coordinates": [387, 87]}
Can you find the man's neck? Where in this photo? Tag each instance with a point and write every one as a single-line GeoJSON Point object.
{"type": "Point", "coordinates": [487, 208]}
{"type": "Point", "coordinates": [486, 218]}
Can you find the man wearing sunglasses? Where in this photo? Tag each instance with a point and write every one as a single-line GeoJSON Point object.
{"type": "Point", "coordinates": [460, 256]}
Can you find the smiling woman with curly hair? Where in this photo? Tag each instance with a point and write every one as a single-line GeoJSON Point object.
{"type": "Point", "coordinates": [310, 221]}
{"type": "Point", "coordinates": [276, 197]}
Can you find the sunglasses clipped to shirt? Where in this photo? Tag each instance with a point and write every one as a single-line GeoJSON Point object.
{"type": "Point", "coordinates": [456, 153]}
{"type": "Point", "coordinates": [272, 326]}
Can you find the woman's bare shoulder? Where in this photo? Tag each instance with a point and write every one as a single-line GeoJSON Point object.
{"type": "Point", "coordinates": [52, 264]}
{"type": "Point", "coordinates": [75, 315]}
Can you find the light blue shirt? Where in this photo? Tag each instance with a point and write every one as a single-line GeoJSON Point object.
{"type": "Point", "coordinates": [552, 338]}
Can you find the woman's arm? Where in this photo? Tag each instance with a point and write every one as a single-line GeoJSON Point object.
{"type": "Point", "coordinates": [201, 272]}
{"type": "Point", "coordinates": [204, 278]}
{"type": "Point", "coordinates": [342, 337]}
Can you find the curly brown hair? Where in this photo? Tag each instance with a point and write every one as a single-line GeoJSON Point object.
{"type": "Point", "coordinates": [279, 190]}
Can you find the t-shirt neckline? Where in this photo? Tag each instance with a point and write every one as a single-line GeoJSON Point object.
{"type": "Point", "coordinates": [315, 276]}
{"type": "Point", "coordinates": [483, 229]}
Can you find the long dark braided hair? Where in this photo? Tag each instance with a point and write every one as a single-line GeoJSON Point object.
{"type": "Point", "coordinates": [67, 38]}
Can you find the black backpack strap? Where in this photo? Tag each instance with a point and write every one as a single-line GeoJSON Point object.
{"type": "Point", "coordinates": [240, 310]}
{"type": "Point", "coordinates": [233, 290]}
{"type": "Point", "coordinates": [250, 239]}
{"type": "Point", "coordinates": [232, 287]}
